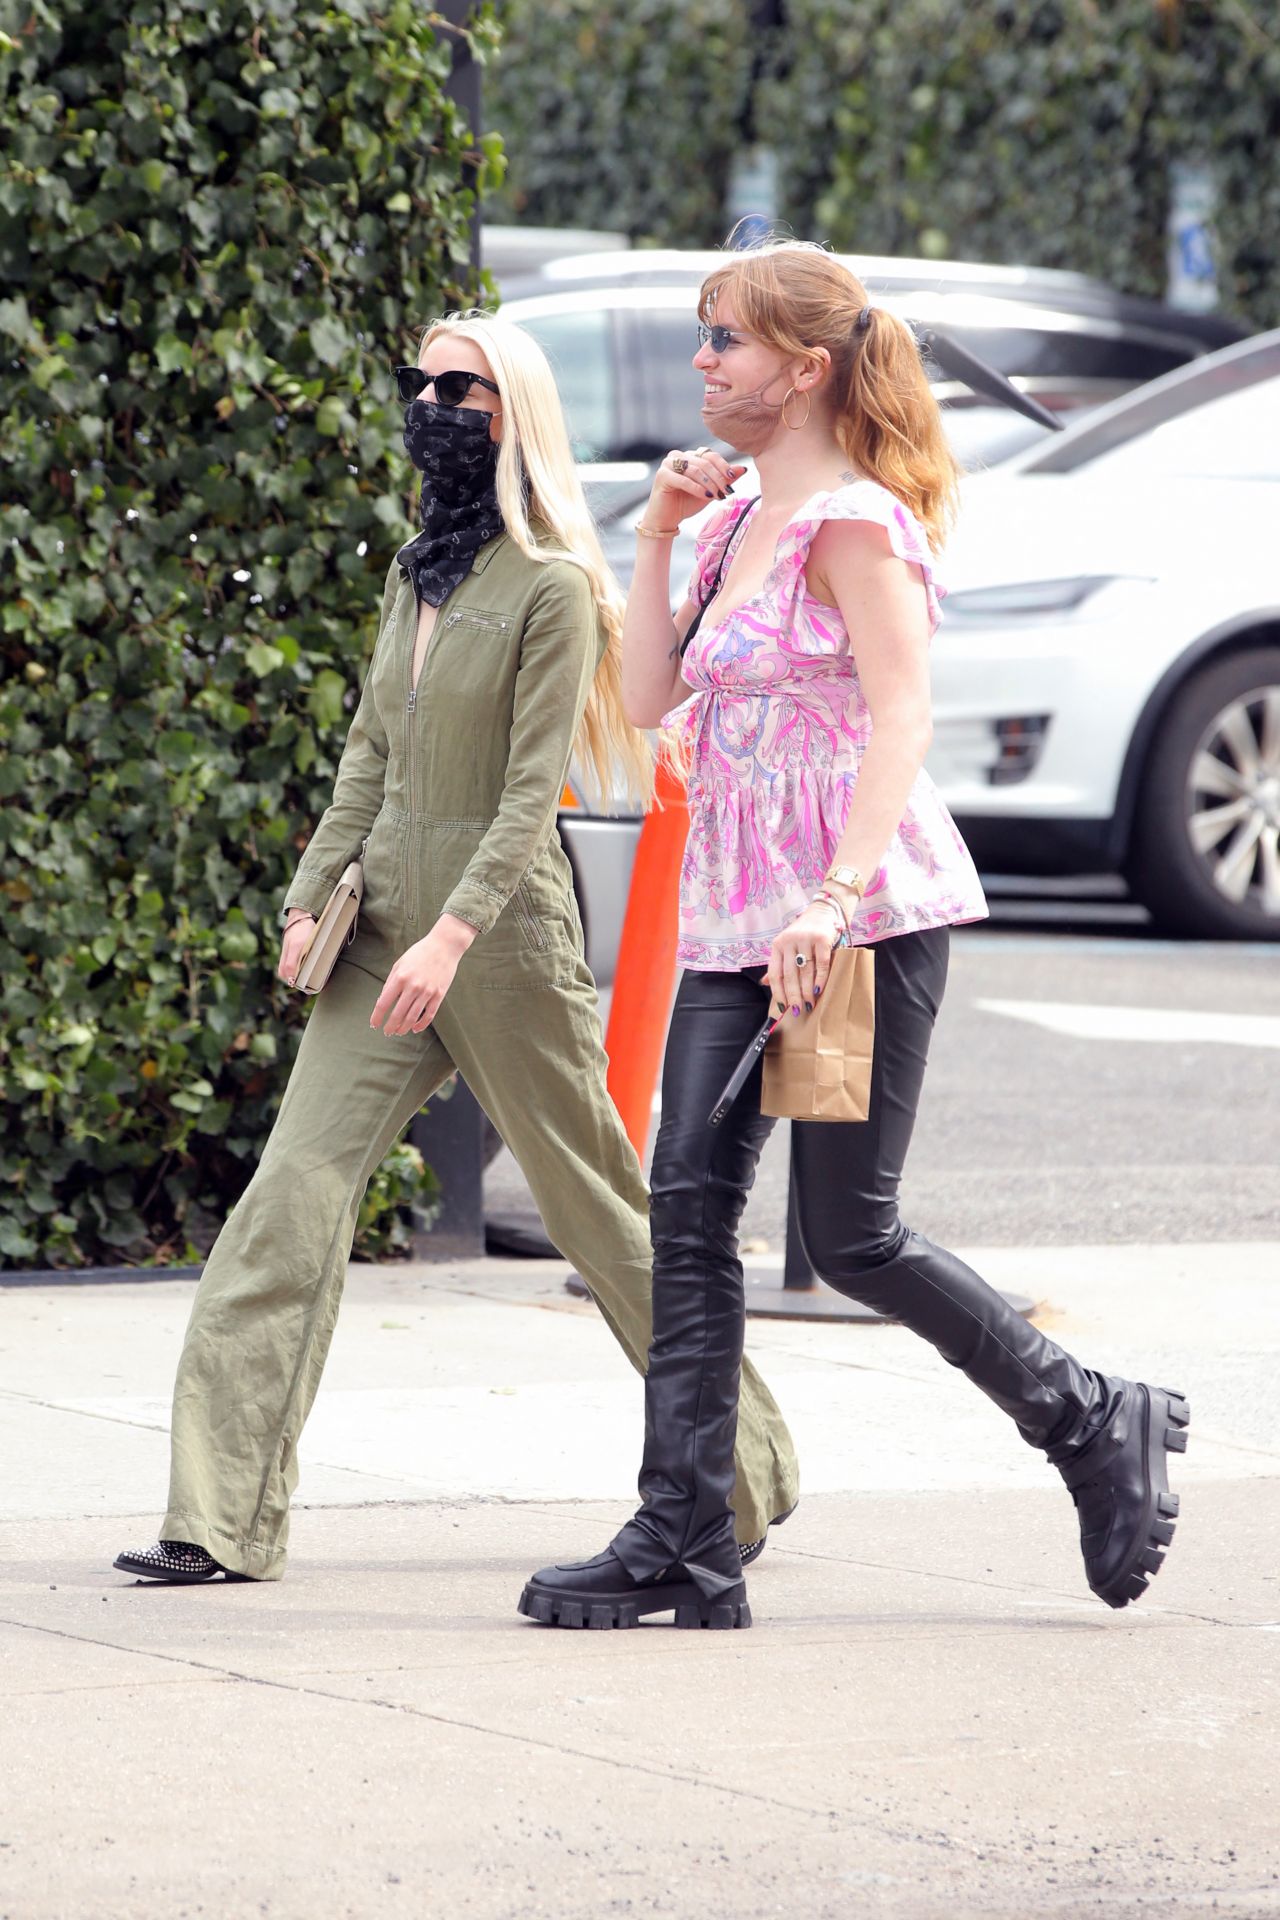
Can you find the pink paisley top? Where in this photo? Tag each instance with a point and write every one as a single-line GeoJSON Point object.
{"type": "Point", "coordinates": [775, 736]}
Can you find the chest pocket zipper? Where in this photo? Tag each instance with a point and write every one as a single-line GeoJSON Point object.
{"type": "Point", "coordinates": [489, 622]}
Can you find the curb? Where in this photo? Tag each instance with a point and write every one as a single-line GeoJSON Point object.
{"type": "Point", "coordinates": [93, 1276]}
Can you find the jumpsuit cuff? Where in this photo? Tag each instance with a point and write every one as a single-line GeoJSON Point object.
{"type": "Point", "coordinates": [309, 891]}
{"type": "Point", "coordinates": [255, 1559]}
{"type": "Point", "coordinates": [475, 904]}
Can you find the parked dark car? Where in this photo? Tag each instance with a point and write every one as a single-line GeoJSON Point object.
{"type": "Point", "coordinates": [619, 329]}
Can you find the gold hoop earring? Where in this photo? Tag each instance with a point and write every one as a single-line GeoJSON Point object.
{"type": "Point", "coordinates": [796, 426]}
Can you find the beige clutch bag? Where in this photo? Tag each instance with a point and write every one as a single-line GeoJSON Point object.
{"type": "Point", "coordinates": [819, 1067]}
{"type": "Point", "coordinates": [335, 929]}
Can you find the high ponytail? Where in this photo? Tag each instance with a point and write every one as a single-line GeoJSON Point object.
{"type": "Point", "coordinates": [796, 296]}
{"type": "Point", "coordinates": [890, 425]}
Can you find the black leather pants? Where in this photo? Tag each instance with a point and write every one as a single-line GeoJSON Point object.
{"type": "Point", "coordinates": [847, 1198]}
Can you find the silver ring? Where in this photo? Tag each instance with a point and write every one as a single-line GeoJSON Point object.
{"type": "Point", "coordinates": [801, 961]}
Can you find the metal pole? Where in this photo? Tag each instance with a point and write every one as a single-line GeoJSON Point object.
{"type": "Point", "coordinates": [802, 1295]}
{"type": "Point", "coordinates": [450, 1137]}
{"type": "Point", "coordinates": [450, 1134]}
{"type": "Point", "coordinates": [463, 86]}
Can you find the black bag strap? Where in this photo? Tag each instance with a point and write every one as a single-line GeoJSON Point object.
{"type": "Point", "coordinates": [734, 531]}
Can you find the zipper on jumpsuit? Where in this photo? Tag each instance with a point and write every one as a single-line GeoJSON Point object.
{"type": "Point", "coordinates": [442, 622]}
{"type": "Point", "coordinates": [410, 730]}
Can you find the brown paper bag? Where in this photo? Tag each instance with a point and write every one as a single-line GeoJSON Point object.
{"type": "Point", "coordinates": [819, 1066]}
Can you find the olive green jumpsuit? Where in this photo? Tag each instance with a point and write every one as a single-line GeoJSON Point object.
{"type": "Point", "coordinates": [456, 784]}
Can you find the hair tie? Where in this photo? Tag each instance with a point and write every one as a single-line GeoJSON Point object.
{"type": "Point", "coordinates": [864, 319]}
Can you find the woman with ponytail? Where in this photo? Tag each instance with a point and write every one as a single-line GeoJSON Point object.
{"type": "Point", "coordinates": [804, 643]}
{"type": "Point", "coordinates": [498, 653]}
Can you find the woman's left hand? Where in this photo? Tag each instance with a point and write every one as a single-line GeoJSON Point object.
{"type": "Point", "coordinates": [421, 977]}
{"type": "Point", "coordinates": [801, 959]}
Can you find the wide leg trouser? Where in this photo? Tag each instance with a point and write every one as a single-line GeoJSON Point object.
{"type": "Point", "coordinates": [847, 1199]}
{"type": "Point", "coordinates": [267, 1302]}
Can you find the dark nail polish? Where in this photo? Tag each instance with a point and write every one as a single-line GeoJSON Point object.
{"type": "Point", "coordinates": [817, 992]}
{"type": "Point", "coordinates": [808, 1006]}
{"type": "Point", "coordinates": [708, 493]}
{"type": "Point", "coordinates": [796, 1011]}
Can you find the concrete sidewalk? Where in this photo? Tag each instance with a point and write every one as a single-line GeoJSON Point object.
{"type": "Point", "coordinates": [931, 1717]}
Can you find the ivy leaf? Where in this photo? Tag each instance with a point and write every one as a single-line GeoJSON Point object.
{"type": "Point", "coordinates": [262, 659]}
{"type": "Point", "coordinates": [329, 415]}
{"type": "Point", "coordinates": [330, 341]}
{"type": "Point", "coordinates": [173, 355]}
{"type": "Point", "coordinates": [326, 698]}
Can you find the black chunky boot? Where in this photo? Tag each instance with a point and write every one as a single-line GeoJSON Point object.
{"type": "Point", "coordinates": [176, 1562]}
{"type": "Point", "coordinates": [1118, 1476]}
{"type": "Point", "coordinates": [601, 1593]}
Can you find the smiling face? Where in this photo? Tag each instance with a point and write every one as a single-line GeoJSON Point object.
{"type": "Point", "coordinates": [745, 381]}
{"type": "Point", "coordinates": [454, 353]}
{"type": "Point", "coordinates": [744, 368]}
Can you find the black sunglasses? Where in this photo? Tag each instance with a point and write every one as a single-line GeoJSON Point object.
{"type": "Point", "coordinates": [451, 388]}
{"type": "Point", "coordinates": [717, 338]}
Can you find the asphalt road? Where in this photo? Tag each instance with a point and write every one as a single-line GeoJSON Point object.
{"type": "Point", "coordinates": [1033, 1136]}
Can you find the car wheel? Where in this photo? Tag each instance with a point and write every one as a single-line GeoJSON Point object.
{"type": "Point", "coordinates": [1205, 858]}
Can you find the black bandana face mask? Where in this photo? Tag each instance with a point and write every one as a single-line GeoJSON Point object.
{"type": "Point", "coordinates": [458, 460]}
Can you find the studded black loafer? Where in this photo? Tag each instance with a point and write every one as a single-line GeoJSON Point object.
{"type": "Point", "coordinates": [176, 1562]}
{"type": "Point", "coordinates": [601, 1593]}
{"type": "Point", "coordinates": [1119, 1480]}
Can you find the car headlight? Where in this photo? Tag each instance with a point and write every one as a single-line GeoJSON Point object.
{"type": "Point", "coordinates": [1029, 599]}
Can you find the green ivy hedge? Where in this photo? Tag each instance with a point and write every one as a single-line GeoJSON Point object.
{"type": "Point", "coordinates": [1035, 132]}
{"type": "Point", "coordinates": [623, 117]}
{"type": "Point", "coordinates": [219, 223]}
{"type": "Point", "coordinates": [1032, 132]}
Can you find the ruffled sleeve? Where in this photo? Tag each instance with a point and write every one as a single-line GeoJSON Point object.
{"type": "Point", "coordinates": [711, 540]}
{"type": "Point", "coordinates": [861, 500]}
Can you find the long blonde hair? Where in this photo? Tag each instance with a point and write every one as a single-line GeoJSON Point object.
{"type": "Point", "coordinates": [537, 480]}
{"type": "Point", "coordinates": [796, 296]}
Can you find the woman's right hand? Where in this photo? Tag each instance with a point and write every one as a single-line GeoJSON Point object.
{"type": "Point", "coordinates": [298, 931]}
{"type": "Point", "coordinates": [675, 495]}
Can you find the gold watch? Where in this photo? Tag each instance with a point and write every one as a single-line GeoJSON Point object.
{"type": "Point", "coordinates": [847, 877]}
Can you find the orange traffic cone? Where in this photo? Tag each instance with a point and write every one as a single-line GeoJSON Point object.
{"type": "Point", "coordinates": [647, 959]}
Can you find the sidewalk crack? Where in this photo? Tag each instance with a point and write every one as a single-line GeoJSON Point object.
{"type": "Point", "coordinates": [833, 1816]}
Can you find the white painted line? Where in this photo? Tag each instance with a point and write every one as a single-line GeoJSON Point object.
{"type": "Point", "coordinates": [1167, 1025]}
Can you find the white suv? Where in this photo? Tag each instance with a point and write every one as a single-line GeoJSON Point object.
{"type": "Point", "coordinates": [1107, 675]}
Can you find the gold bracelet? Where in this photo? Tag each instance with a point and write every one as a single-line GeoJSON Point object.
{"type": "Point", "coordinates": [656, 533]}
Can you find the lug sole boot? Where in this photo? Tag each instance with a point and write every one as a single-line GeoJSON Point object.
{"type": "Point", "coordinates": [1119, 1480]}
{"type": "Point", "coordinates": [600, 1593]}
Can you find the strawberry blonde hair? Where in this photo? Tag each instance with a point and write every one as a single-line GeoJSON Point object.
{"type": "Point", "coordinates": [795, 296]}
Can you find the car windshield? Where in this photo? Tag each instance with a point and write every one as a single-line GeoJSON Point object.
{"type": "Point", "coordinates": [1220, 419]}
{"type": "Point", "coordinates": [1234, 437]}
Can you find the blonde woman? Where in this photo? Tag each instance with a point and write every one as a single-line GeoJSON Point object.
{"type": "Point", "coordinates": [498, 653]}
{"type": "Point", "coordinates": [812, 821]}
